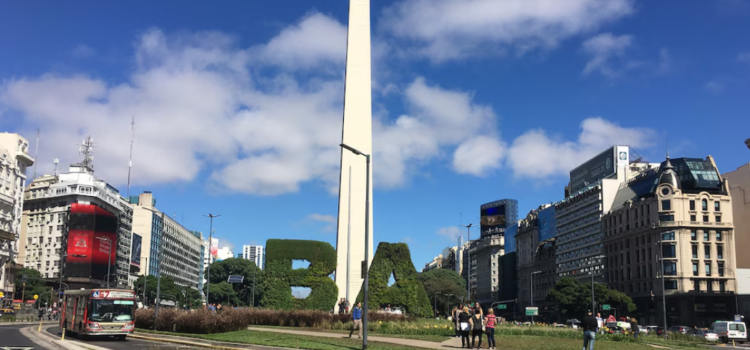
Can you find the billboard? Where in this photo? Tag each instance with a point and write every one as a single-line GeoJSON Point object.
{"type": "Point", "coordinates": [547, 223]}
{"type": "Point", "coordinates": [135, 250]}
{"type": "Point", "coordinates": [92, 241]}
{"type": "Point", "coordinates": [492, 219]}
{"type": "Point", "coordinates": [597, 168]}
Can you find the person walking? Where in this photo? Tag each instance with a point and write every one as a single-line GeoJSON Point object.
{"type": "Point", "coordinates": [454, 315]}
{"type": "Point", "coordinates": [489, 323]}
{"type": "Point", "coordinates": [634, 327]}
{"type": "Point", "coordinates": [41, 314]}
{"type": "Point", "coordinates": [599, 323]}
{"type": "Point", "coordinates": [477, 323]}
{"type": "Point", "coordinates": [589, 331]}
{"type": "Point", "coordinates": [357, 320]}
{"type": "Point", "coordinates": [464, 323]}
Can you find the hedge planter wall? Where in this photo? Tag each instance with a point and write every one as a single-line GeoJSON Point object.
{"type": "Point", "coordinates": [408, 292]}
{"type": "Point", "coordinates": [280, 277]}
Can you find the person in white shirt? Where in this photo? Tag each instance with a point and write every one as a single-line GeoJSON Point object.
{"type": "Point", "coordinates": [599, 322]}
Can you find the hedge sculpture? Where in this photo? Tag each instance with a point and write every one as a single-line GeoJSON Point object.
{"type": "Point", "coordinates": [408, 292]}
{"type": "Point", "coordinates": [280, 277]}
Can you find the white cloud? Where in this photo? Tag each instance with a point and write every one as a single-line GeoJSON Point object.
{"type": "Point", "coordinates": [451, 233]}
{"type": "Point", "coordinates": [603, 49]}
{"type": "Point", "coordinates": [535, 154]}
{"type": "Point", "coordinates": [438, 120]}
{"type": "Point", "coordinates": [478, 155]}
{"type": "Point", "coordinates": [744, 57]}
{"type": "Point", "coordinates": [443, 30]}
{"type": "Point", "coordinates": [329, 222]}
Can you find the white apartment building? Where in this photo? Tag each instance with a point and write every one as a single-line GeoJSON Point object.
{"type": "Point", "coordinates": [255, 254]}
{"type": "Point", "coordinates": [14, 159]}
{"type": "Point", "coordinates": [167, 248]}
{"type": "Point", "coordinates": [44, 226]}
{"type": "Point", "coordinates": [224, 253]}
{"type": "Point", "coordinates": [435, 263]}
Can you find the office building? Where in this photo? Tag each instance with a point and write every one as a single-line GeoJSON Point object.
{"type": "Point", "coordinates": [255, 254]}
{"type": "Point", "coordinates": [14, 159]}
{"type": "Point", "coordinates": [452, 259]}
{"type": "Point", "coordinates": [673, 227]}
{"type": "Point", "coordinates": [71, 221]}
{"type": "Point", "coordinates": [739, 188]}
{"type": "Point", "coordinates": [535, 248]}
{"type": "Point", "coordinates": [435, 263]}
{"type": "Point", "coordinates": [171, 249]}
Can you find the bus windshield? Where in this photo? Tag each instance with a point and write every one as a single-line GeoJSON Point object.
{"type": "Point", "coordinates": [111, 310]}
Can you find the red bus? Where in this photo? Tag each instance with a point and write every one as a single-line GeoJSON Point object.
{"type": "Point", "coordinates": [99, 312]}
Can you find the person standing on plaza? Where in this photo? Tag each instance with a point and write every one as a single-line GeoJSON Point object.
{"type": "Point", "coordinates": [589, 331]}
{"type": "Point", "coordinates": [464, 321]}
{"type": "Point", "coordinates": [357, 320]}
{"type": "Point", "coordinates": [477, 323]}
{"type": "Point", "coordinates": [599, 323]}
{"type": "Point", "coordinates": [489, 323]}
{"type": "Point", "coordinates": [634, 327]}
{"type": "Point", "coordinates": [454, 315]}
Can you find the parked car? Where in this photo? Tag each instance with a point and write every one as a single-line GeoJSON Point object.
{"type": "Point", "coordinates": [704, 333]}
{"type": "Point", "coordinates": [652, 329]}
{"type": "Point", "coordinates": [729, 330]}
{"type": "Point", "coordinates": [660, 330]}
{"type": "Point", "coordinates": [642, 329]}
{"type": "Point", "coordinates": [573, 323]}
{"type": "Point", "coordinates": [679, 329]}
{"type": "Point", "coordinates": [616, 330]}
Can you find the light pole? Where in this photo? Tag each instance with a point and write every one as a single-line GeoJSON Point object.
{"type": "Point", "coordinates": [210, 237]}
{"type": "Point", "coordinates": [468, 259]}
{"type": "Point", "coordinates": [532, 292]}
{"type": "Point", "coordinates": [436, 293]}
{"type": "Point", "coordinates": [593, 302]}
{"type": "Point", "coordinates": [367, 240]}
{"type": "Point", "coordinates": [109, 253]}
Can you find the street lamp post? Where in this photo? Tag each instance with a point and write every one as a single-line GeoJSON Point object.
{"type": "Point", "coordinates": [593, 302]}
{"type": "Point", "coordinates": [367, 240]}
{"type": "Point", "coordinates": [468, 259]}
{"type": "Point", "coordinates": [210, 237]}
{"type": "Point", "coordinates": [531, 298]}
{"type": "Point", "coordinates": [436, 293]}
{"type": "Point", "coordinates": [109, 253]}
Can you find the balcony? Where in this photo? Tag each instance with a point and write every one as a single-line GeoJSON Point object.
{"type": "Point", "coordinates": [25, 158]}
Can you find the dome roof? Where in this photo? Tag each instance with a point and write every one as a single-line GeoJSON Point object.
{"type": "Point", "coordinates": [668, 176]}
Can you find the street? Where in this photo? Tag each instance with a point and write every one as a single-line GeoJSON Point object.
{"type": "Point", "coordinates": [128, 344]}
{"type": "Point", "coordinates": [11, 338]}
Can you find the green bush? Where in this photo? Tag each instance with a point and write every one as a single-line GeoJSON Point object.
{"type": "Point", "coordinates": [280, 277]}
{"type": "Point", "coordinates": [408, 291]}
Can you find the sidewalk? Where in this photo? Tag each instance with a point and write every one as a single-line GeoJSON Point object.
{"type": "Point", "coordinates": [450, 343]}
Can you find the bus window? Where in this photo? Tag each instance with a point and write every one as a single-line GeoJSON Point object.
{"type": "Point", "coordinates": [111, 310]}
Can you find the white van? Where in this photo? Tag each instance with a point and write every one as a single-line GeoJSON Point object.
{"type": "Point", "coordinates": [730, 330]}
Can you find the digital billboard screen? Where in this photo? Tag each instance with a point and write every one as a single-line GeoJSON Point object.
{"type": "Point", "coordinates": [92, 241]}
{"type": "Point", "coordinates": [135, 250]}
{"type": "Point", "coordinates": [547, 223]}
{"type": "Point", "coordinates": [600, 167]}
{"type": "Point", "coordinates": [492, 219]}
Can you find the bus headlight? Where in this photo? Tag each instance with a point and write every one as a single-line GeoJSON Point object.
{"type": "Point", "coordinates": [128, 327]}
{"type": "Point", "coordinates": [94, 326]}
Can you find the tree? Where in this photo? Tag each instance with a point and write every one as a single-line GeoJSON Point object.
{"type": "Point", "coordinates": [222, 293]}
{"type": "Point", "coordinates": [574, 298]}
{"type": "Point", "coordinates": [34, 284]}
{"type": "Point", "coordinates": [448, 283]}
{"type": "Point", "coordinates": [168, 289]}
{"type": "Point", "coordinates": [221, 270]}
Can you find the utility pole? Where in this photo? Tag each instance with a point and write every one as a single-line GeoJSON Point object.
{"type": "Point", "coordinates": [208, 271]}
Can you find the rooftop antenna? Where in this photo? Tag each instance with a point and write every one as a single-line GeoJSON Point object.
{"type": "Point", "coordinates": [87, 150]}
{"type": "Point", "coordinates": [130, 161]}
{"type": "Point", "coordinates": [56, 161]}
{"type": "Point", "coordinates": [667, 148]}
{"type": "Point", "coordinates": [36, 152]}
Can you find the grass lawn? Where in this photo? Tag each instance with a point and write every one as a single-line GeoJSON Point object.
{"type": "Point", "coordinates": [324, 343]}
{"type": "Point", "coordinates": [432, 338]}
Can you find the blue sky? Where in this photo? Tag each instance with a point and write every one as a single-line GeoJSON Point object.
{"type": "Point", "coordinates": [238, 103]}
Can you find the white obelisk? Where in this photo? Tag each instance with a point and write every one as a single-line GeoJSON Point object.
{"type": "Point", "coordinates": [357, 133]}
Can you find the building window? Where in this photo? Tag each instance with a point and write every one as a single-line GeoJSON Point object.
{"type": "Point", "coordinates": [670, 268]}
{"type": "Point", "coordinates": [668, 251]}
{"type": "Point", "coordinates": [721, 269]}
{"type": "Point", "coordinates": [666, 218]}
{"type": "Point", "coordinates": [708, 268]}
{"type": "Point", "coordinates": [692, 218]}
{"type": "Point", "coordinates": [666, 205]}
{"type": "Point", "coordinates": [692, 204]}
{"type": "Point", "coordinates": [718, 218]}
{"type": "Point", "coordinates": [718, 236]}
{"type": "Point", "coordinates": [693, 235]}
{"type": "Point", "coordinates": [695, 252]}
{"type": "Point", "coordinates": [704, 205]}
{"type": "Point", "coordinates": [719, 252]}
{"type": "Point", "coordinates": [705, 236]}
{"type": "Point", "coordinates": [717, 206]}
{"type": "Point", "coordinates": [707, 252]}
{"type": "Point", "coordinates": [722, 287]}
{"type": "Point", "coordinates": [705, 218]}
{"type": "Point", "coordinates": [697, 285]}
{"type": "Point", "coordinates": [670, 284]}
{"type": "Point", "coordinates": [667, 236]}
{"type": "Point", "coordinates": [695, 268]}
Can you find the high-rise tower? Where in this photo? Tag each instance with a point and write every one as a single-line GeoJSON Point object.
{"type": "Point", "coordinates": [357, 133]}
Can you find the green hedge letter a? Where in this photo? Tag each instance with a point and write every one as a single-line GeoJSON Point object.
{"type": "Point", "coordinates": [408, 291]}
{"type": "Point", "coordinates": [280, 277]}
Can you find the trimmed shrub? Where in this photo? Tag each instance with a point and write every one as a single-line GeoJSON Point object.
{"type": "Point", "coordinates": [408, 291]}
{"type": "Point", "coordinates": [280, 277]}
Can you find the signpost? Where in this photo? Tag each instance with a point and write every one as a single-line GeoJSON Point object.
{"type": "Point", "coordinates": [234, 279]}
{"type": "Point", "coordinates": [606, 307]}
{"type": "Point", "coordinates": [502, 307]}
{"type": "Point", "coordinates": [532, 311]}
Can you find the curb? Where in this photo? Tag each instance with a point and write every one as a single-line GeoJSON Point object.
{"type": "Point", "coordinates": [186, 342]}
{"type": "Point", "coordinates": [32, 333]}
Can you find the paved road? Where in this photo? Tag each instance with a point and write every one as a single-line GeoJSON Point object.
{"type": "Point", "coordinates": [128, 344]}
{"type": "Point", "coordinates": [11, 337]}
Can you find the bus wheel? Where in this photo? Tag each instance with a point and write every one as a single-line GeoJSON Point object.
{"type": "Point", "coordinates": [120, 337]}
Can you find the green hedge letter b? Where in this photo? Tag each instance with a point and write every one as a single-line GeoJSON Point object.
{"type": "Point", "coordinates": [280, 277]}
{"type": "Point", "coordinates": [408, 291]}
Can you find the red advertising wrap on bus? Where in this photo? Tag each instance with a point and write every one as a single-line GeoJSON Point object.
{"type": "Point", "coordinates": [92, 241]}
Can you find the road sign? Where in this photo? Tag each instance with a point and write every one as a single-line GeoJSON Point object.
{"type": "Point", "coordinates": [502, 307]}
{"type": "Point", "coordinates": [235, 279]}
{"type": "Point", "coordinates": [36, 297]}
{"type": "Point", "coordinates": [532, 311]}
{"type": "Point", "coordinates": [606, 307]}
